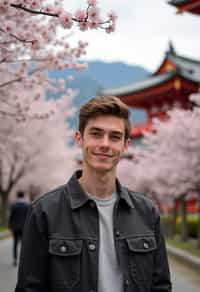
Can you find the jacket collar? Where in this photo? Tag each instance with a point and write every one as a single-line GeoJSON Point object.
{"type": "Point", "coordinates": [78, 197]}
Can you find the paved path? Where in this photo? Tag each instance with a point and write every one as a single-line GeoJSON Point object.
{"type": "Point", "coordinates": [184, 280]}
{"type": "Point", "coordinates": [7, 271]}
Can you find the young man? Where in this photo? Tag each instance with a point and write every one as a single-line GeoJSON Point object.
{"type": "Point", "coordinates": [92, 234]}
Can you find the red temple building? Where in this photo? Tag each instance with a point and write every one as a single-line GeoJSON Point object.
{"type": "Point", "coordinates": [168, 87]}
{"type": "Point", "coordinates": [191, 6]}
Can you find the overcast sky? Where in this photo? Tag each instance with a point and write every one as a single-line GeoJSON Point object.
{"type": "Point", "coordinates": [143, 31]}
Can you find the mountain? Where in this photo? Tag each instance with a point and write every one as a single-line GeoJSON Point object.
{"type": "Point", "coordinates": [100, 75]}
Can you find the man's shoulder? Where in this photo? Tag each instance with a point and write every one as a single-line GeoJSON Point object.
{"type": "Point", "coordinates": [51, 197]}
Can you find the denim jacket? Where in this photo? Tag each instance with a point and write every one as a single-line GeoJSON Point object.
{"type": "Point", "coordinates": [60, 247]}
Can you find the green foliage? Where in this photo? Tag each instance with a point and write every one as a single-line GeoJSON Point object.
{"type": "Point", "coordinates": [192, 223]}
{"type": "Point", "coordinates": [167, 223]}
{"type": "Point", "coordinates": [3, 228]}
{"type": "Point", "coordinates": [189, 246]}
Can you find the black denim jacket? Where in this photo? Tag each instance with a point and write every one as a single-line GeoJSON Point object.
{"type": "Point", "coordinates": [61, 243]}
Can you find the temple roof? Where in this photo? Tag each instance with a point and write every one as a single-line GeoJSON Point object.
{"type": "Point", "coordinates": [191, 6]}
{"type": "Point", "coordinates": [183, 67]}
{"type": "Point", "coordinates": [187, 67]}
{"type": "Point", "coordinates": [138, 86]}
{"type": "Point", "coordinates": [177, 2]}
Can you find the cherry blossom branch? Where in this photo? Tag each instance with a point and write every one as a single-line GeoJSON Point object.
{"type": "Point", "coordinates": [40, 12]}
{"type": "Point", "coordinates": [16, 37]}
{"type": "Point", "coordinates": [82, 17]}
{"type": "Point", "coordinates": [3, 113]}
{"type": "Point", "coordinates": [19, 79]}
{"type": "Point", "coordinates": [37, 12]}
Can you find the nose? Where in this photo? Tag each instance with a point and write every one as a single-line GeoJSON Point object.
{"type": "Point", "coordinates": [105, 141]}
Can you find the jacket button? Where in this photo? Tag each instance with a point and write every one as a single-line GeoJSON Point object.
{"type": "Point", "coordinates": [127, 282]}
{"type": "Point", "coordinates": [117, 233]}
{"type": "Point", "coordinates": [146, 245]}
{"type": "Point", "coordinates": [92, 246]}
{"type": "Point", "coordinates": [63, 248]}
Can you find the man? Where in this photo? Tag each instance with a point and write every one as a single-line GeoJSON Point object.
{"type": "Point", "coordinates": [92, 234]}
{"type": "Point", "coordinates": [18, 213]}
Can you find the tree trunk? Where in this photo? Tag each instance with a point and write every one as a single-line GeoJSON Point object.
{"type": "Point", "coordinates": [174, 218]}
{"type": "Point", "coordinates": [184, 227]}
{"type": "Point", "coordinates": [4, 210]}
{"type": "Point", "coordinates": [198, 226]}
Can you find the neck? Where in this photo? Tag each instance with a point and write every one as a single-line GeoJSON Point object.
{"type": "Point", "coordinates": [98, 184]}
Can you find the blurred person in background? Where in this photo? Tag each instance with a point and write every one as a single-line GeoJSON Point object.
{"type": "Point", "coordinates": [18, 213]}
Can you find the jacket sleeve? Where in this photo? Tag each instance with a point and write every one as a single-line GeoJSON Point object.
{"type": "Point", "coordinates": [161, 274]}
{"type": "Point", "coordinates": [32, 273]}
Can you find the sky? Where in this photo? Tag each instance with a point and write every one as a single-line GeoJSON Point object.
{"type": "Point", "coordinates": [143, 31]}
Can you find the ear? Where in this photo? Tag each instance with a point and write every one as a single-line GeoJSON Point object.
{"type": "Point", "coordinates": [78, 138]}
{"type": "Point", "coordinates": [127, 143]}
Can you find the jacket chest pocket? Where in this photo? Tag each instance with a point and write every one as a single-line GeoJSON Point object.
{"type": "Point", "coordinates": [141, 257]}
{"type": "Point", "coordinates": [65, 261]}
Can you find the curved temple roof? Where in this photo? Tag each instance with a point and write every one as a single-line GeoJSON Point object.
{"type": "Point", "coordinates": [134, 87]}
{"type": "Point", "coordinates": [192, 6]}
{"type": "Point", "coordinates": [184, 67]}
{"type": "Point", "coordinates": [177, 2]}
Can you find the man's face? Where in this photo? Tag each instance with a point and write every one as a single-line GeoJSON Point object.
{"type": "Point", "coordinates": [103, 142]}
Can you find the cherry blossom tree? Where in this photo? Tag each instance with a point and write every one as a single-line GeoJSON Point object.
{"type": "Point", "coordinates": [30, 44]}
{"type": "Point", "coordinates": [36, 153]}
{"type": "Point", "coordinates": [169, 168]}
{"type": "Point", "coordinates": [33, 131]}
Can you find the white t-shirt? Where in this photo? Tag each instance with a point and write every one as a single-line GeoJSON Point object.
{"type": "Point", "coordinates": [110, 277]}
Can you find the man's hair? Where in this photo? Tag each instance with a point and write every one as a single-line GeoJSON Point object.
{"type": "Point", "coordinates": [104, 106]}
{"type": "Point", "coordinates": [20, 194]}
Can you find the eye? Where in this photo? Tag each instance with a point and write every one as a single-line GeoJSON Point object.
{"type": "Point", "coordinates": [95, 134]}
{"type": "Point", "coordinates": [115, 138]}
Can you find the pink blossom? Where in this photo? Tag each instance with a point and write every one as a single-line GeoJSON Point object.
{"type": "Point", "coordinates": [112, 15]}
{"type": "Point", "coordinates": [48, 8]}
{"type": "Point", "coordinates": [4, 6]}
{"type": "Point", "coordinates": [92, 2]}
{"type": "Point", "coordinates": [58, 9]}
{"type": "Point", "coordinates": [36, 44]}
{"type": "Point", "coordinates": [5, 3]}
{"type": "Point", "coordinates": [35, 4]}
{"type": "Point", "coordinates": [83, 26]}
{"type": "Point", "coordinates": [37, 96]}
{"type": "Point", "coordinates": [110, 28]}
{"type": "Point", "coordinates": [93, 13]}
{"type": "Point", "coordinates": [9, 26]}
{"type": "Point", "coordinates": [93, 24]}
{"type": "Point", "coordinates": [80, 15]}
{"type": "Point", "coordinates": [82, 44]}
{"type": "Point", "coordinates": [27, 108]}
{"type": "Point", "coordinates": [66, 20]}
{"type": "Point", "coordinates": [58, 64]}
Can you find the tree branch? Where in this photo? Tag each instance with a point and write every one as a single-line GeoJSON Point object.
{"type": "Point", "coordinates": [16, 37]}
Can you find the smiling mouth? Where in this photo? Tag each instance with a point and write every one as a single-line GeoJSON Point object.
{"type": "Point", "coordinates": [102, 155]}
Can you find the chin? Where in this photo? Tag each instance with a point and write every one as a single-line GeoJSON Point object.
{"type": "Point", "coordinates": [102, 168]}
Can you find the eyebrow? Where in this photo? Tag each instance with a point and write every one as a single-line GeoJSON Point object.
{"type": "Point", "coordinates": [101, 130]}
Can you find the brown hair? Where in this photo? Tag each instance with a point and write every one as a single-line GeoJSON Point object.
{"type": "Point", "coordinates": [104, 105]}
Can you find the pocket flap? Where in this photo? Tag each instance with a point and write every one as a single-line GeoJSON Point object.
{"type": "Point", "coordinates": [65, 247]}
{"type": "Point", "coordinates": [142, 244]}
